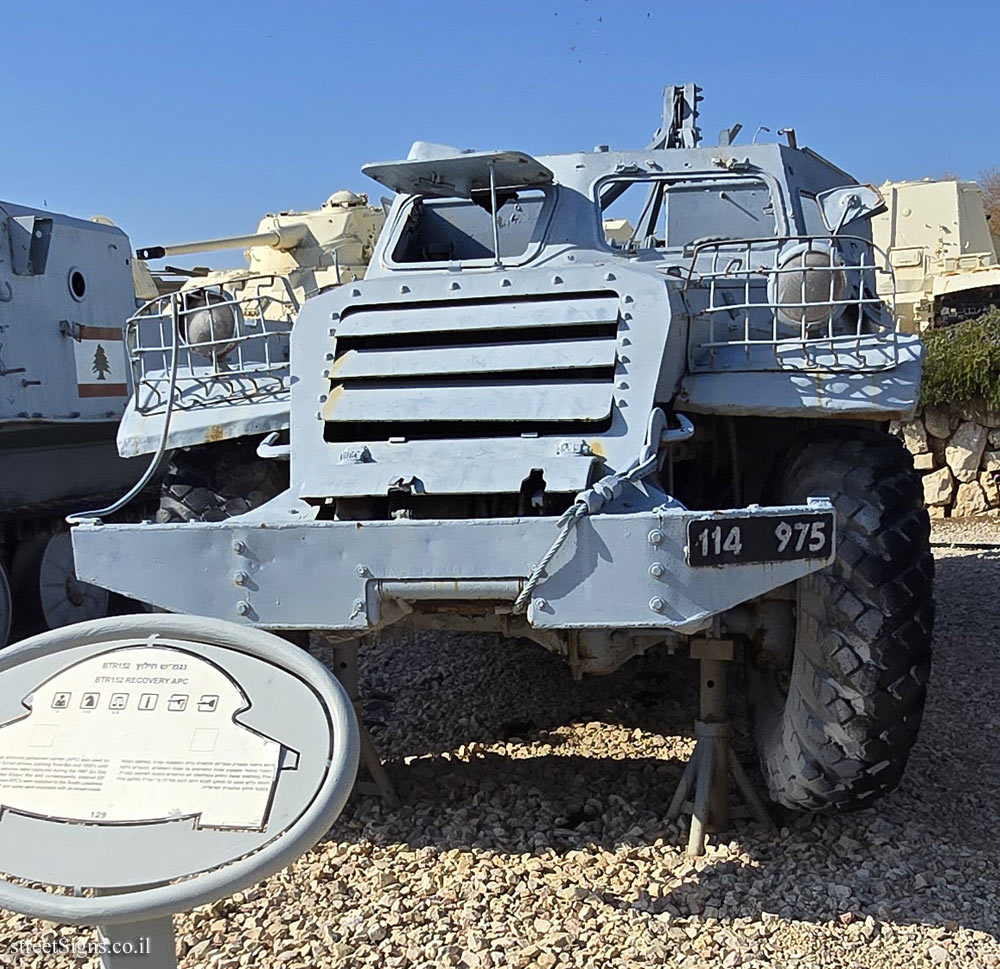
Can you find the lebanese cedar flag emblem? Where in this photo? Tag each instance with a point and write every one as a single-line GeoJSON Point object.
{"type": "Point", "coordinates": [100, 362]}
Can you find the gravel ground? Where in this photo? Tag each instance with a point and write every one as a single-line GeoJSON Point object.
{"type": "Point", "coordinates": [532, 827]}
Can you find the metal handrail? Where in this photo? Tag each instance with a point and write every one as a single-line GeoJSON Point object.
{"type": "Point", "coordinates": [248, 364]}
{"type": "Point", "coordinates": [735, 300]}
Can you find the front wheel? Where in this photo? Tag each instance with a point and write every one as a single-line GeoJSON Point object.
{"type": "Point", "coordinates": [834, 722]}
{"type": "Point", "coordinates": [212, 482]}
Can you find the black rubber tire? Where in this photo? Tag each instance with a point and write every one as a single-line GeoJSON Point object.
{"type": "Point", "coordinates": [836, 732]}
{"type": "Point", "coordinates": [212, 482]}
{"type": "Point", "coordinates": [29, 619]}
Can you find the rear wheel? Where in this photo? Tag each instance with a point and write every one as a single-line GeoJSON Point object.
{"type": "Point", "coordinates": [835, 722]}
{"type": "Point", "coordinates": [48, 593]}
{"type": "Point", "coordinates": [64, 598]}
{"type": "Point", "coordinates": [213, 482]}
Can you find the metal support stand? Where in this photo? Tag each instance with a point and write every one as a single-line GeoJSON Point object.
{"type": "Point", "coordinates": [151, 944]}
{"type": "Point", "coordinates": [713, 762]}
{"type": "Point", "coordinates": [345, 668]}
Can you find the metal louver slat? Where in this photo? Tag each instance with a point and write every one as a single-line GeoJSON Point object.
{"type": "Point", "coordinates": [480, 359]}
{"type": "Point", "coordinates": [470, 316]}
{"type": "Point", "coordinates": [583, 401]}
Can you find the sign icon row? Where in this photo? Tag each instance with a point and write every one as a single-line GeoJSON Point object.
{"type": "Point", "coordinates": [176, 702]}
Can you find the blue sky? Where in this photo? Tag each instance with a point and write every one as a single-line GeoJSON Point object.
{"type": "Point", "coordinates": [181, 120]}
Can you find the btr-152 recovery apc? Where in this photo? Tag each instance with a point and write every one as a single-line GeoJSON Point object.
{"type": "Point", "coordinates": [672, 431]}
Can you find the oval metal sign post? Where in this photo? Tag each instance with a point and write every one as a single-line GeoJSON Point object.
{"type": "Point", "coordinates": [151, 764]}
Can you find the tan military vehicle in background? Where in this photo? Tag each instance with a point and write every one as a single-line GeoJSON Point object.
{"type": "Point", "coordinates": [313, 249]}
{"type": "Point", "coordinates": [209, 352]}
{"type": "Point", "coordinates": [941, 249]}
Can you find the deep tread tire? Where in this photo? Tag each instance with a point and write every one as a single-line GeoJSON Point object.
{"type": "Point", "coordinates": [213, 482]}
{"type": "Point", "coordinates": [841, 734]}
{"type": "Point", "coordinates": [29, 618]}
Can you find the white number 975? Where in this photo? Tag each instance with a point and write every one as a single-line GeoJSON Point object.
{"type": "Point", "coordinates": [801, 533]}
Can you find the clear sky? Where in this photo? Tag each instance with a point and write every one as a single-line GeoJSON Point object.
{"type": "Point", "coordinates": [181, 120]}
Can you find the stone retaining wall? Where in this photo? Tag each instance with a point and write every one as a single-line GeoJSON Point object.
{"type": "Point", "coordinates": [957, 450]}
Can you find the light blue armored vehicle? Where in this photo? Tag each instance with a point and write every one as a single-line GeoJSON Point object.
{"type": "Point", "coordinates": [65, 290]}
{"type": "Point", "coordinates": [606, 401]}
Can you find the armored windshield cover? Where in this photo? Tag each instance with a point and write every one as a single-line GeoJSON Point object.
{"type": "Point", "coordinates": [445, 172]}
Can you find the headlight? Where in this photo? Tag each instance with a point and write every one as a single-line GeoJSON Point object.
{"type": "Point", "coordinates": [808, 285]}
{"type": "Point", "coordinates": [209, 323]}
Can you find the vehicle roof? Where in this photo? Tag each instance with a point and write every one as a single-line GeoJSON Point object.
{"type": "Point", "coordinates": [442, 171]}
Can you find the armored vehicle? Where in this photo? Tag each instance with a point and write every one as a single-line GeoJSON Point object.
{"type": "Point", "coordinates": [942, 252]}
{"type": "Point", "coordinates": [230, 387]}
{"type": "Point", "coordinates": [65, 291]}
{"type": "Point", "coordinates": [675, 437]}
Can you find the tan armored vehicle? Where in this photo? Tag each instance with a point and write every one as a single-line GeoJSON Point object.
{"type": "Point", "coordinates": [312, 249]}
{"type": "Point", "coordinates": [209, 351]}
{"type": "Point", "coordinates": [944, 257]}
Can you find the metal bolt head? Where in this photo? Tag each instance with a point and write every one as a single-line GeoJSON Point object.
{"type": "Point", "coordinates": [657, 604]}
{"type": "Point", "coordinates": [241, 578]}
{"type": "Point", "coordinates": [242, 607]}
{"type": "Point", "coordinates": [540, 604]}
{"type": "Point", "coordinates": [239, 548]}
{"type": "Point", "coordinates": [359, 605]}
{"type": "Point", "coordinates": [362, 570]}
{"type": "Point", "coordinates": [656, 570]}
{"type": "Point", "coordinates": [655, 537]}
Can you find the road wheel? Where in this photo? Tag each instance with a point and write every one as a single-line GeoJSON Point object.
{"type": "Point", "coordinates": [212, 482]}
{"type": "Point", "coordinates": [47, 591]}
{"type": "Point", "coordinates": [835, 720]}
{"type": "Point", "coordinates": [64, 598]}
{"type": "Point", "coordinates": [24, 570]}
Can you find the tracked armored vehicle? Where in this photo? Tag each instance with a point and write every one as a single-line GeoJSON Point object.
{"type": "Point", "coordinates": [65, 291]}
{"type": "Point", "coordinates": [944, 258]}
{"type": "Point", "coordinates": [230, 388]}
{"type": "Point", "coordinates": [676, 436]}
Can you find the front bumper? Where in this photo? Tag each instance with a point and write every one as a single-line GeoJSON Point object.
{"type": "Point", "coordinates": [278, 568]}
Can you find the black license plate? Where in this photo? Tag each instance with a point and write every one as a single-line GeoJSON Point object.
{"type": "Point", "coordinates": [778, 538]}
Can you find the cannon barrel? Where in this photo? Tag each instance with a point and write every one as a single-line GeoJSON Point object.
{"type": "Point", "coordinates": [282, 237]}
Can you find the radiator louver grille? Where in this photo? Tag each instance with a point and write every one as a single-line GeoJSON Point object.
{"type": "Point", "coordinates": [486, 368]}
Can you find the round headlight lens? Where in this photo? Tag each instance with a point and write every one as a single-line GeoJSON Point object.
{"type": "Point", "coordinates": [808, 285]}
{"type": "Point", "coordinates": [208, 323]}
